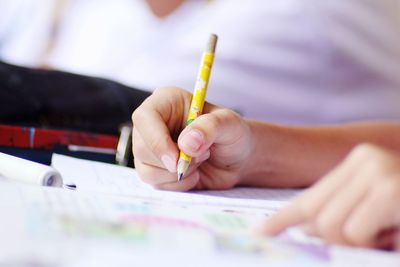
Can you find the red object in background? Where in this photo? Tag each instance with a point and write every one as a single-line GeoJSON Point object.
{"type": "Point", "coordinates": [38, 138]}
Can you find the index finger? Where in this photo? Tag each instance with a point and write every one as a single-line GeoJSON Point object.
{"type": "Point", "coordinates": [290, 216]}
{"type": "Point", "coordinates": [155, 120]}
{"type": "Point", "coordinates": [309, 204]}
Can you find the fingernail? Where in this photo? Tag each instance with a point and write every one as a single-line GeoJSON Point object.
{"type": "Point", "coordinates": [264, 229]}
{"type": "Point", "coordinates": [169, 163]}
{"type": "Point", "coordinates": [192, 140]}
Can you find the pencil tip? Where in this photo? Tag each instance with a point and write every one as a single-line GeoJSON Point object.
{"type": "Point", "coordinates": [180, 176]}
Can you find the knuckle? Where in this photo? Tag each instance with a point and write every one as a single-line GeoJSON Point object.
{"type": "Point", "coordinates": [207, 124]}
{"type": "Point", "coordinates": [383, 167]}
{"type": "Point", "coordinates": [158, 186]}
{"type": "Point", "coordinates": [161, 90]}
{"type": "Point", "coordinates": [228, 115]}
{"type": "Point", "coordinates": [138, 116]}
{"type": "Point", "coordinates": [147, 179]}
{"type": "Point", "coordinates": [165, 187]}
{"type": "Point", "coordinates": [353, 236]}
{"type": "Point", "coordinates": [158, 90]}
{"type": "Point", "coordinates": [363, 151]}
{"type": "Point", "coordinates": [224, 116]}
{"type": "Point", "coordinates": [372, 157]}
{"type": "Point", "coordinates": [389, 189]}
{"type": "Point", "coordinates": [326, 227]}
{"type": "Point", "coordinates": [309, 211]}
{"type": "Point", "coordinates": [147, 174]}
{"type": "Point", "coordinates": [157, 145]}
{"type": "Point", "coordinates": [234, 119]}
{"type": "Point", "coordinates": [143, 171]}
{"type": "Point", "coordinates": [139, 148]}
{"type": "Point", "coordinates": [214, 122]}
{"type": "Point", "coordinates": [170, 186]}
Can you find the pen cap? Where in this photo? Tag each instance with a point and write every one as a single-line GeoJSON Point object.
{"type": "Point", "coordinates": [22, 170]}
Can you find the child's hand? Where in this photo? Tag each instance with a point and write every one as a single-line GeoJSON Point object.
{"type": "Point", "coordinates": [219, 142]}
{"type": "Point", "coordinates": [357, 204]}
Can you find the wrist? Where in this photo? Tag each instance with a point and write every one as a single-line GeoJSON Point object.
{"type": "Point", "coordinates": [280, 156]}
{"type": "Point", "coordinates": [258, 163]}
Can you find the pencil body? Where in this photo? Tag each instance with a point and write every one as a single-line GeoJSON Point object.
{"type": "Point", "coordinates": [199, 95]}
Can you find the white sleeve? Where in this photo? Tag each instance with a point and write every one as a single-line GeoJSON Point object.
{"type": "Point", "coordinates": [24, 30]}
{"type": "Point", "coordinates": [310, 61]}
{"type": "Point", "coordinates": [367, 31]}
{"type": "Point", "coordinates": [8, 11]}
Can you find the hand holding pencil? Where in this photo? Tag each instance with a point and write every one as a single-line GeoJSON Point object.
{"type": "Point", "coordinates": [159, 135]}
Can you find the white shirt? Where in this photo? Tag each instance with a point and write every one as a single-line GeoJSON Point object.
{"type": "Point", "coordinates": [25, 27]}
{"type": "Point", "coordinates": [288, 61]}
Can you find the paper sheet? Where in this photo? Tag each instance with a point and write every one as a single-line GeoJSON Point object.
{"type": "Point", "coordinates": [65, 224]}
{"type": "Point", "coordinates": [56, 227]}
{"type": "Point", "coordinates": [108, 178]}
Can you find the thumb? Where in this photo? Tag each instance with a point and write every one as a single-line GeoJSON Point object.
{"type": "Point", "coordinates": [222, 127]}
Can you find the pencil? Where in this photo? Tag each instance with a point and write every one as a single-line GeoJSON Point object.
{"type": "Point", "coordinates": [199, 95]}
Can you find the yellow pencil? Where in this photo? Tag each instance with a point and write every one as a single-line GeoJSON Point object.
{"type": "Point", "coordinates": [199, 95]}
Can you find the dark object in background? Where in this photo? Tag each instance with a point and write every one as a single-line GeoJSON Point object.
{"type": "Point", "coordinates": [61, 100]}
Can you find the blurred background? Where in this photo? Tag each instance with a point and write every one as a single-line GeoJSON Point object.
{"type": "Point", "coordinates": [287, 61]}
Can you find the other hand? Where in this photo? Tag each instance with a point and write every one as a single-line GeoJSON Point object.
{"type": "Point", "coordinates": [356, 204]}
